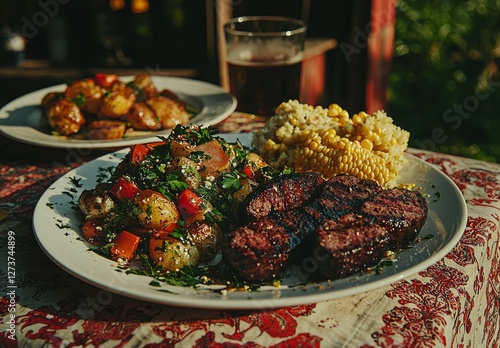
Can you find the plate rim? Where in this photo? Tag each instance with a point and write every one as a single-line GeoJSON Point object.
{"type": "Point", "coordinates": [227, 303]}
{"type": "Point", "coordinates": [14, 132]}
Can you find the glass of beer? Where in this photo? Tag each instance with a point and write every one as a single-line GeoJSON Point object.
{"type": "Point", "coordinates": [264, 57]}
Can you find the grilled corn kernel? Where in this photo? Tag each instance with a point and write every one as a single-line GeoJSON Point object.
{"type": "Point", "coordinates": [271, 145]}
{"type": "Point", "coordinates": [332, 155]}
{"type": "Point", "coordinates": [334, 110]}
{"type": "Point", "coordinates": [356, 119]}
{"type": "Point", "coordinates": [367, 144]}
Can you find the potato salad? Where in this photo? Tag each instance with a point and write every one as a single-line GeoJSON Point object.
{"type": "Point", "coordinates": [169, 203]}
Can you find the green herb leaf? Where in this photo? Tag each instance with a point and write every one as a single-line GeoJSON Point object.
{"type": "Point", "coordinates": [230, 181]}
{"type": "Point", "coordinates": [79, 100]}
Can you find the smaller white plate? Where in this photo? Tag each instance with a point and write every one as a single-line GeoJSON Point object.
{"type": "Point", "coordinates": [22, 118]}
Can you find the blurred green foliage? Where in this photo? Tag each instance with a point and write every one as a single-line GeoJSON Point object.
{"type": "Point", "coordinates": [445, 85]}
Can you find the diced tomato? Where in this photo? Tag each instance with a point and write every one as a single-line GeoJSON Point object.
{"type": "Point", "coordinates": [151, 146]}
{"type": "Point", "coordinates": [92, 230]}
{"type": "Point", "coordinates": [105, 80]}
{"type": "Point", "coordinates": [248, 171]}
{"type": "Point", "coordinates": [138, 153]}
{"type": "Point", "coordinates": [163, 233]}
{"type": "Point", "coordinates": [126, 244]}
{"type": "Point", "coordinates": [189, 203]}
{"type": "Point", "coordinates": [170, 228]}
{"type": "Point", "coordinates": [124, 189]}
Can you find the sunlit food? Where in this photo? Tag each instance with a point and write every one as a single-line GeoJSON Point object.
{"type": "Point", "coordinates": [192, 201]}
{"type": "Point", "coordinates": [176, 195]}
{"type": "Point", "coordinates": [330, 141]}
{"type": "Point", "coordinates": [105, 107]}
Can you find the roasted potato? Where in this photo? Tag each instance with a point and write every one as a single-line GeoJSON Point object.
{"type": "Point", "coordinates": [186, 168]}
{"type": "Point", "coordinates": [256, 160]}
{"type": "Point", "coordinates": [247, 185]}
{"type": "Point", "coordinates": [169, 112]}
{"type": "Point", "coordinates": [207, 238]}
{"type": "Point", "coordinates": [86, 94]}
{"type": "Point", "coordinates": [106, 129]}
{"type": "Point", "coordinates": [95, 203]}
{"type": "Point", "coordinates": [117, 102]}
{"type": "Point", "coordinates": [146, 87]}
{"type": "Point", "coordinates": [181, 148]}
{"type": "Point", "coordinates": [50, 98]}
{"type": "Point", "coordinates": [138, 103]}
{"type": "Point", "coordinates": [65, 117]}
{"type": "Point", "coordinates": [155, 210]}
{"type": "Point", "coordinates": [172, 254]}
{"type": "Point", "coordinates": [141, 117]}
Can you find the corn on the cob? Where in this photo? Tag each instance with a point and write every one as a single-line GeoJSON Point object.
{"type": "Point", "coordinates": [329, 141]}
{"type": "Point", "coordinates": [329, 154]}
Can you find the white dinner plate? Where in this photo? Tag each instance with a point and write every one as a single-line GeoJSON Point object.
{"type": "Point", "coordinates": [57, 230]}
{"type": "Point", "coordinates": [23, 121]}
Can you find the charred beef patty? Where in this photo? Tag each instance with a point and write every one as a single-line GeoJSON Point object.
{"type": "Point", "coordinates": [279, 195]}
{"type": "Point", "coordinates": [348, 192]}
{"type": "Point", "coordinates": [402, 212]}
{"type": "Point", "coordinates": [349, 244]}
{"type": "Point", "coordinates": [261, 249]}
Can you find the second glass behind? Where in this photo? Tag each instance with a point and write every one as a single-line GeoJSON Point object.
{"type": "Point", "coordinates": [264, 57]}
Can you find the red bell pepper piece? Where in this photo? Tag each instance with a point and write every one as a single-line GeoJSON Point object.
{"type": "Point", "coordinates": [105, 80]}
{"type": "Point", "coordinates": [248, 171]}
{"type": "Point", "coordinates": [189, 203]}
{"type": "Point", "coordinates": [151, 146]}
{"type": "Point", "coordinates": [126, 244]}
{"type": "Point", "coordinates": [138, 153]}
{"type": "Point", "coordinates": [124, 189]}
{"type": "Point", "coordinates": [92, 230]}
{"type": "Point", "coordinates": [163, 233]}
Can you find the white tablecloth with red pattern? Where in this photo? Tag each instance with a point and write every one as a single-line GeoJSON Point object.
{"type": "Point", "coordinates": [453, 303]}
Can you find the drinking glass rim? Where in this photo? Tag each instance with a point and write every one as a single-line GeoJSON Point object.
{"type": "Point", "coordinates": [302, 26]}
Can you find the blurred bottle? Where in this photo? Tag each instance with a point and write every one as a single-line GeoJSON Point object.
{"type": "Point", "coordinates": [13, 46]}
{"type": "Point", "coordinates": [57, 33]}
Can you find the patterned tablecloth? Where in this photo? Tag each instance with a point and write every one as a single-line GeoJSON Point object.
{"type": "Point", "coordinates": [453, 303]}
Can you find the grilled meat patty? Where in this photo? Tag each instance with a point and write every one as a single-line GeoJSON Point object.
{"type": "Point", "coordinates": [279, 195]}
{"type": "Point", "coordinates": [402, 212]}
{"type": "Point", "coordinates": [347, 207]}
{"type": "Point", "coordinates": [349, 244]}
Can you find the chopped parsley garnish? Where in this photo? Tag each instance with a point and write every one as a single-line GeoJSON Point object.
{"type": "Point", "coordinates": [68, 194]}
{"type": "Point", "coordinates": [186, 276]}
{"type": "Point", "coordinates": [76, 182]}
{"type": "Point", "coordinates": [382, 265]}
{"type": "Point", "coordinates": [194, 135]}
{"type": "Point", "coordinates": [437, 196]}
{"type": "Point", "coordinates": [104, 174]}
{"type": "Point", "coordinates": [104, 250]}
{"type": "Point", "coordinates": [79, 100]}
{"type": "Point", "coordinates": [230, 181]}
